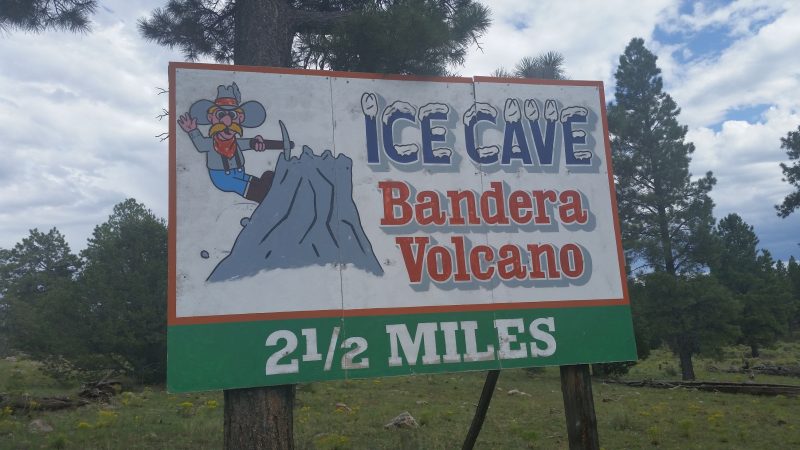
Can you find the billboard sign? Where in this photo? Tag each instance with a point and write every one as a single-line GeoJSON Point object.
{"type": "Point", "coordinates": [329, 225]}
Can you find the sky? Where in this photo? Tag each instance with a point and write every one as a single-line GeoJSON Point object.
{"type": "Point", "coordinates": [82, 133]}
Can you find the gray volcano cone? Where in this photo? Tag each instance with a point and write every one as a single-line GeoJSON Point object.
{"type": "Point", "coordinates": [307, 218]}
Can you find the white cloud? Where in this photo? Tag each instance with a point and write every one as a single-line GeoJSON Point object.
{"type": "Point", "coordinates": [739, 17]}
{"type": "Point", "coordinates": [82, 113]}
{"type": "Point", "coordinates": [744, 158]}
{"type": "Point", "coordinates": [762, 68]}
{"type": "Point", "coordinates": [590, 35]}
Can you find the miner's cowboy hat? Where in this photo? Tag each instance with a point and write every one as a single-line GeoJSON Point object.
{"type": "Point", "coordinates": [229, 98]}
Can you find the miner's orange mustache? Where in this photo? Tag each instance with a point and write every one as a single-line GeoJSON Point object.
{"type": "Point", "coordinates": [220, 127]}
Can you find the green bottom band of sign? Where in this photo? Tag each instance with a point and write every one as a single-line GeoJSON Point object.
{"type": "Point", "coordinates": [264, 353]}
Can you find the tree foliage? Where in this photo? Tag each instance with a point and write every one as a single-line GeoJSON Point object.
{"type": "Point", "coordinates": [791, 174]}
{"type": "Point", "coordinates": [666, 217]}
{"type": "Point", "coordinates": [759, 287]}
{"type": "Point", "coordinates": [35, 262]}
{"type": "Point", "coordinates": [737, 266]}
{"type": "Point", "coordinates": [691, 314]}
{"type": "Point", "coordinates": [767, 308]}
{"type": "Point", "coordinates": [124, 293]}
{"type": "Point", "coordinates": [40, 15]}
{"type": "Point", "coordinates": [397, 36]}
{"type": "Point", "coordinates": [199, 28]}
{"type": "Point", "coordinates": [37, 291]}
{"type": "Point", "coordinates": [103, 312]}
{"type": "Point", "coordinates": [545, 66]}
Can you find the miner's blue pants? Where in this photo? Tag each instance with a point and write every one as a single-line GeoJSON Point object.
{"type": "Point", "coordinates": [234, 180]}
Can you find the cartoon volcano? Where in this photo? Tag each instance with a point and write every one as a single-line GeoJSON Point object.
{"type": "Point", "coordinates": [307, 218]}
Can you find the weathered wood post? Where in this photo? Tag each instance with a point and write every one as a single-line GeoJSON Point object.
{"type": "Point", "coordinates": [576, 388]}
{"type": "Point", "coordinates": [480, 411]}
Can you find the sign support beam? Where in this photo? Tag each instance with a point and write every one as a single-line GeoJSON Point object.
{"type": "Point", "coordinates": [482, 408]}
{"type": "Point", "coordinates": [576, 388]}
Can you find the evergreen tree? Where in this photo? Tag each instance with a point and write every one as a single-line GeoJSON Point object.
{"type": "Point", "coordinates": [791, 174]}
{"type": "Point", "coordinates": [394, 36]}
{"type": "Point", "coordinates": [546, 66]}
{"type": "Point", "coordinates": [105, 312]}
{"type": "Point", "coordinates": [690, 314]}
{"type": "Point", "coordinates": [767, 307]}
{"type": "Point", "coordinates": [124, 294]}
{"type": "Point", "coordinates": [666, 217]}
{"type": "Point", "coordinates": [39, 15]}
{"type": "Point", "coordinates": [737, 267]}
{"type": "Point", "coordinates": [37, 308]}
{"type": "Point", "coordinates": [755, 281]}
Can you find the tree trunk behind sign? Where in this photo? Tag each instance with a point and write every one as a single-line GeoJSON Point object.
{"type": "Point", "coordinates": [261, 418]}
{"type": "Point", "coordinates": [687, 368]}
{"type": "Point", "coordinates": [264, 33]}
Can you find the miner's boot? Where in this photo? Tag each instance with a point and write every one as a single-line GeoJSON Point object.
{"type": "Point", "coordinates": [257, 188]}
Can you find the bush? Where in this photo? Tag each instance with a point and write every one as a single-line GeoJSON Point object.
{"type": "Point", "coordinates": [613, 370]}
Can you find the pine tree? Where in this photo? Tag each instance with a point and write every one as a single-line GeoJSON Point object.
{"type": "Point", "coordinates": [791, 174]}
{"type": "Point", "coordinates": [399, 36]}
{"type": "Point", "coordinates": [737, 266]}
{"type": "Point", "coordinates": [123, 299]}
{"type": "Point", "coordinates": [766, 308]}
{"type": "Point", "coordinates": [40, 15]}
{"type": "Point", "coordinates": [37, 280]}
{"type": "Point", "coordinates": [690, 314]}
{"type": "Point", "coordinates": [666, 216]}
{"type": "Point", "coordinates": [545, 66]}
{"type": "Point", "coordinates": [756, 282]}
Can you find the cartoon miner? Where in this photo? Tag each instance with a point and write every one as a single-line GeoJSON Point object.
{"type": "Point", "coordinates": [224, 159]}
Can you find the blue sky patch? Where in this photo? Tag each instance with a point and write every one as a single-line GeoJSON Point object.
{"type": "Point", "coordinates": [703, 44]}
{"type": "Point", "coordinates": [748, 113]}
{"type": "Point", "coordinates": [710, 41]}
{"type": "Point", "coordinates": [518, 23]}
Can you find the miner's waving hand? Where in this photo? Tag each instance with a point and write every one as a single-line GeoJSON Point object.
{"type": "Point", "coordinates": [224, 145]}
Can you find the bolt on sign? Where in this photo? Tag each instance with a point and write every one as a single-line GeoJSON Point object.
{"type": "Point", "coordinates": [330, 225]}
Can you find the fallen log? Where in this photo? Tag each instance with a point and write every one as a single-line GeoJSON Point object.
{"type": "Point", "coordinates": [767, 369]}
{"type": "Point", "coordinates": [716, 386]}
{"type": "Point", "coordinates": [28, 403]}
{"type": "Point", "coordinates": [97, 391]}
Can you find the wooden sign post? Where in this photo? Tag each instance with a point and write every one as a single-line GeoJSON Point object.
{"type": "Point", "coordinates": [576, 388]}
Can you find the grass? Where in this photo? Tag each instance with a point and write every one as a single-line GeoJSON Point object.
{"type": "Point", "coordinates": [443, 405]}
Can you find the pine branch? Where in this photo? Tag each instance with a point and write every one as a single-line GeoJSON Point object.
{"type": "Point", "coordinates": [39, 15]}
